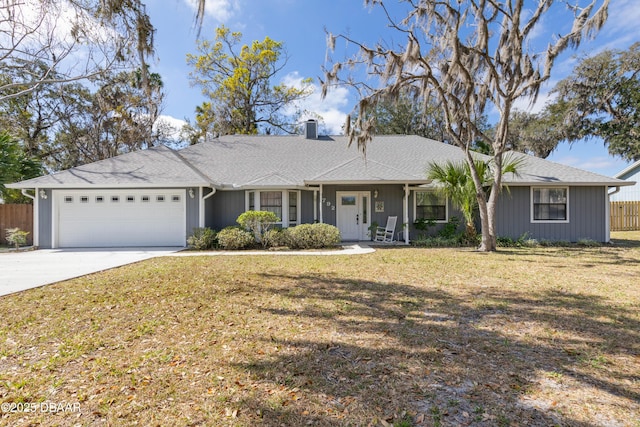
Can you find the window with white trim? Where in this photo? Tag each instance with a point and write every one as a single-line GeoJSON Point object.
{"type": "Point", "coordinates": [293, 207]}
{"type": "Point", "coordinates": [430, 205]}
{"type": "Point", "coordinates": [549, 204]}
{"type": "Point", "coordinates": [285, 204]}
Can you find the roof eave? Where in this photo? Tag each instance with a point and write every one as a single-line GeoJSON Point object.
{"type": "Point", "coordinates": [568, 183]}
{"type": "Point", "coordinates": [59, 186]}
{"type": "Point", "coordinates": [367, 182]}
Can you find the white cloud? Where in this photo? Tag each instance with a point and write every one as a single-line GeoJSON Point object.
{"type": "Point", "coordinates": [170, 125]}
{"type": "Point", "coordinates": [220, 10]}
{"type": "Point", "coordinates": [331, 109]}
{"type": "Point", "coordinates": [624, 16]}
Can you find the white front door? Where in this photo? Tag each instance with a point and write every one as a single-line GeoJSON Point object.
{"type": "Point", "coordinates": [353, 213]}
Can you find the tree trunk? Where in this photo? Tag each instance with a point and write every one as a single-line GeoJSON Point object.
{"type": "Point", "coordinates": [488, 243]}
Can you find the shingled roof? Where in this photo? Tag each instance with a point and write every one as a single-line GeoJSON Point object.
{"type": "Point", "coordinates": [155, 167]}
{"type": "Point", "coordinates": [259, 161]}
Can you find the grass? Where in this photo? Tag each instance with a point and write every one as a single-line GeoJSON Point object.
{"type": "Point", "coordinates": [400, 337]}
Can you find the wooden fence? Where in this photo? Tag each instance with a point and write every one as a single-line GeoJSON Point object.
{"type": "Point", "coordinates": [625, 216]}
{"type": "Point", "coordinates": [12, 216]}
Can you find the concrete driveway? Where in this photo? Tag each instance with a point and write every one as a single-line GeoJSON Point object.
{"type": "Point", "coordinates": [26, 270]}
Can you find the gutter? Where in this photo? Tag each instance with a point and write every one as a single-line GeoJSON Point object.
{"type": "Point", "coordinates": [202, 203]}
{"type": "Point", "coordinates": [617, 190]}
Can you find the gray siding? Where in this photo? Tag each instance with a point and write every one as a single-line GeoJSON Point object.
{"type": "Point", "coordinates": [222, 209]}
{"type": "Point", "coordinates": [587, 216]}
{"type": "Point", "coordinates": [192, 211]}
{"type": "Point", "coordinates": [306, 210]}
{"type": "Point", "coordinates": [45, 213]}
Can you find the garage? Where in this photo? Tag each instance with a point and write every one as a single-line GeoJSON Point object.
{"type": "Point", "coordinates": [119, 218]}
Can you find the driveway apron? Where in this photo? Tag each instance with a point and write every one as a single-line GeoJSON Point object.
{"type": "Point", "coordinates": [31, 269]}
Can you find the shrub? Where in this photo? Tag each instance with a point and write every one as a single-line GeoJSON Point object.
{"type": "Point", "coordinates": [258, 223]}
{"type": "Point", "coordinates": [437, 242]}
{"type": "Point", "coordinates": [202, 239]}
{"type": "Point", "coordinates": [16, 237]}
{"type": "Point", "coordinates": [313, 236]}
{"type": "Point", "coordinates": [450, 229]}
{"type": "Point", "coordinates": [275, 238]}
{"type": "Point", "coordinates": [235, 238]}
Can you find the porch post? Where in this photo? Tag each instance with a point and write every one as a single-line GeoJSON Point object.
{"type": "Point", "coordinates": [607, 215]}
{"type": "Point", "coordinates": [321, 221]}
{"type": "Point", "coordinates": [405, 208]}
{"type": "Point", "coordinates": [315, 205]}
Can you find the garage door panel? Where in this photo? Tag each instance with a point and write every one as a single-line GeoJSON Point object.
{"type": "Point", "coordinates": [125, 218]}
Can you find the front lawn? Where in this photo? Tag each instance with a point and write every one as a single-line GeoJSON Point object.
{"type": "Point", "coordinates": [403, 336]}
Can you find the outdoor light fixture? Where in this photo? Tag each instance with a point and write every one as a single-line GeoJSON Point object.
{"type": "Point", "coordinates": [43, 194]}
{"type": "Point", "coordinates": [191, 193]}
{"type": "Point", "coordinates": [375, 194]}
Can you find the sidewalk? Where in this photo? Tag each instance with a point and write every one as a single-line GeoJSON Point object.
{"type": "Point", "coordinates": [349, 249]}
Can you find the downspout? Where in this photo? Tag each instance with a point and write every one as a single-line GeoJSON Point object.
{"type": "Point", "coordinates": [202, 203]}
{"type": "Point", "coordinates": [405, 207]}
{"type": "Point", "coordinates": [36, 216]}
{"type": "Point", "coordinates": [607, 213]}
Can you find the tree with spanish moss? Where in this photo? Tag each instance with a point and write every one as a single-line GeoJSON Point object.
{"type": "Point", "coordinates": [472, 55]}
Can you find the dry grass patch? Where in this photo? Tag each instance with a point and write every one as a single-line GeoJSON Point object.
{"type": "Point", "coordinates": [404, 336]}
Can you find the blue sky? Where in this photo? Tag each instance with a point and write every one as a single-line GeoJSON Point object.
{"type": "Point", "coordinates": [301, 25]}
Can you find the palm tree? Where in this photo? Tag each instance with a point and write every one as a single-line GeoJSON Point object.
{"type": "Point", "coordinates": [455, 182]}
{"type": "Point", "coordinates": [457, 185]}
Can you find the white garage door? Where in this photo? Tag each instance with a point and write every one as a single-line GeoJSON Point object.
{"type": "Point", "coordinates": [108, 218]}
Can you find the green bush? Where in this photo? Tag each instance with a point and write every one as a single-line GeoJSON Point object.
{"type": "Point", "coordinates": [258, 223]}
{"type": "Point", "coordinates": [16, 237]}
{"type": "Point", "coordinates": [275, 238]}
{"type": "Point", "coordinates": [450, 229]}
{"type": "Point", "coordinates": [235, 238]}
{"type": "Point", "coordinates": [313, 236]}
{"type": "Point", "coordinates": [202, 239]}
{"type": "Point", "coordinates": [438, 242]}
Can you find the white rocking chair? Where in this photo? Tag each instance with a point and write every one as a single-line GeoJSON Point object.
{"type": "Point", "coordinates": [385, 234]}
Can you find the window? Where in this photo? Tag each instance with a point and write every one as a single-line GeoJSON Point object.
{"type": "Point", "coordinates": [144, 199]}
{"type": "Point", "coordinates": [271, 201]}
{"type": "Point", "coordinates": [285, 204]}
{"type": "Point", "coordinates": [550, 204]}
{"type": "Point", "coordinates": [84, 199]}
{"type": "Point", "coordinates": [68, 199]}
{"type": "Point", "coordinates": [159, 198]}
{"type": "Point", "coordinates": [430, 205]}
{"type": "Point", "coordinates": [175, 198]}
{"type": "Point", "coordinates": [348, 200]}
{"type": "Point", "coordinates": [252, 201]}
{"type": "Point", "coordinates": [99, 199]}
{"type": "Point", "coordinates": [293, 208]}
{"type": "Point", "coordinates": [115, 199]}
{"type": "Point", "coordinates": [131, 199]}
